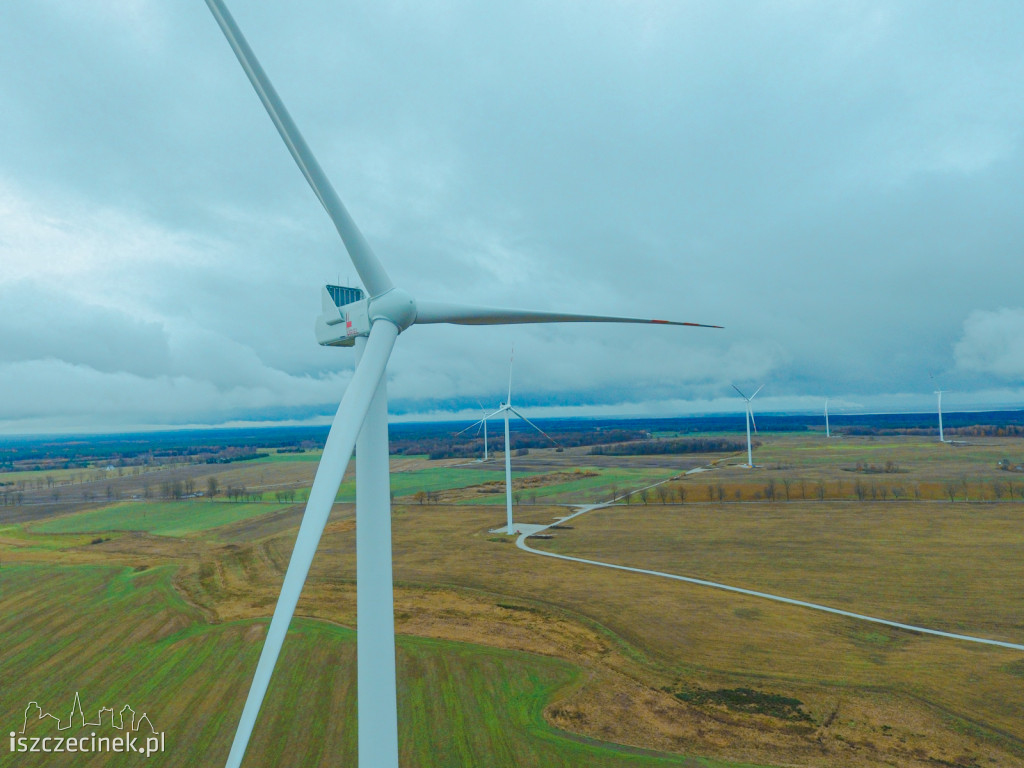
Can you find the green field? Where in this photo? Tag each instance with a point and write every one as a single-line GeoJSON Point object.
{"type": "Point", "coordinates": [276, 457]}
{"type": "Point", "coordinates": [506, 658]}
{"type": "Point", "coordinates": [127, 638]}
{"type": "Point", "coordinates": [165, 518]}
{"type": "Point", "coordinates": [429, 480]}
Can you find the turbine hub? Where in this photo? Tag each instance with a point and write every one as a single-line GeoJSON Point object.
{"type": "Point", "coordinates": [396, 306]}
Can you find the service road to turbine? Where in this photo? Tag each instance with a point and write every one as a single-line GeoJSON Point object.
{"type": "Point", "coordinates": [534, 529]}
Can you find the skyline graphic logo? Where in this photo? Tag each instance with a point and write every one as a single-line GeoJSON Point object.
{"type": "Point", "coordinates": [137, 733]}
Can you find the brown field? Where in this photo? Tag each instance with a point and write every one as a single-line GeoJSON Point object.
{"type": "Point", "coordinates": [867, 695]}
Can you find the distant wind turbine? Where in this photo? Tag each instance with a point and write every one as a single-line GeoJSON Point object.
{"type": "Point", "coordinates": [371, 322]}
{"type": "Point", "coordinates": [827, 433]}
{"type": "Point", "coordinates": [504, 409]}
{"type": "Point", "coordinates": [942, 437]}
{"type": "Point", "coordinates": [478, 424]}
{"type": "Point", "coordinates": [750, 418]}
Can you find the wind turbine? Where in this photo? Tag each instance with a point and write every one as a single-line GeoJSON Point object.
{"type": "Point", "coordinates": [370, 322]}
{"type": "Point", "coordinates": [827, 433]}
{"type": "Point", "coordinates": [942, 437]}
{"type": "Point", "coordinates": [750, 418]}
{"type": "Point", "coordinates": [478, 424]}
{"type": "Point", "coordinates": [504, 409]}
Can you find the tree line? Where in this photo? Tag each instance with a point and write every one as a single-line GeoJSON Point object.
{"type": "Point", "coordinates": [678, 445]}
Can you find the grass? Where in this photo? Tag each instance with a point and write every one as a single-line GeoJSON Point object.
{"type": "Point", "coordinates": [429, 480]}
{"type": "Point", "coordinates": [608, 650]}
{"type": "Point", "coordinates": [275, 457]}
{"type": "Point", "coordinates": [127, 638]}
{"type": "Point", "coordinates": [951, 567]}
{"type": "Point", "coordinates": [586, 489]}
{"type": "Point", "coordinates": [165, 518]}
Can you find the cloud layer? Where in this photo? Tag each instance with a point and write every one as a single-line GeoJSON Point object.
{"type": "Point", "coordinates": [838, 185]}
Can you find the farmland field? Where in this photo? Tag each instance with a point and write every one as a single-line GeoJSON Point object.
{"type": "Point", "coordinates": [170, 518]}
{"type": "Point", "coordinates": [129, 638]}
{"type": "Point", "coordinates": [527, 660]}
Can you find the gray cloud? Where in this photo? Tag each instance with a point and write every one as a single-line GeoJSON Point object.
{"type": "Point", "coordinates": [993, 343]}
{"type": "Point", "coordinates": [839, 185]}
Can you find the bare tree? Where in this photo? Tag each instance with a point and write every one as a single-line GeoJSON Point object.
{"type": "Point", "coordinates": [769, 490]}
{"type": "Point", "coordinates": [212, 486]}
{"type": "Point", "coordinates": [821, 490]}
{"type": "Point", "coordinates": [662, 491]}
{"type": "Point", "coordinates": [645, 494]}
{"type": "Point", "coordinates": [803, 488]}
{"type": "Point", "coordinates": [681, 493]}
{"type": "Point", "coordinates": [951, 491]}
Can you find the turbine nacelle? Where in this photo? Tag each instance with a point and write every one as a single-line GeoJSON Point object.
{"type": "Point", "coordinates": [346, 314]}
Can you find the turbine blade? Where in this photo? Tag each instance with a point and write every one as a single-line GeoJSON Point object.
{"type": "Point", "coordinates": [338, 449]}
{"type": "Point", "coordinates": [468, 314]}
{"type": "Point", "coordinates": [370, 270]}
{"type": "Point", "coordinates": [752, 421]}
{"type": "Point", "coordinates": [741, 394]}
{"type": "Point", "coordinates": [756, 391]}
{"type": "Point", "coordinates": [474, 424]}
{"type": "Point", "coordinates": [549, 437]}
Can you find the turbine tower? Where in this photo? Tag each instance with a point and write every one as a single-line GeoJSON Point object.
{"type": "Point", "coordinates": [750, 418]}
{"type": "Point", "coordinates": [484, 422]}
{"type": "Point", "coordinates": [942, 437]}
{"type": "Point", "coordinates": [827, 432]}
{"type": "Point", "coordinates": [370, 322]}
{"type": "Point", "coordinates": [504, 409]}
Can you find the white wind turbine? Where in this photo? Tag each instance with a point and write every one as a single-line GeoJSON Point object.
{"type": "Point", "coordinates": [504, 409]}
{"type": "Point", "coordinates": [371, 323]}
{"type": "Point", "coordinates": [827, 432]}
{"type": "Point", "coordinates": [942, 437]}
{"type": "Point", "coordinates": [750, 418]}
{"type": "Point", "coordinates": [478, 424]}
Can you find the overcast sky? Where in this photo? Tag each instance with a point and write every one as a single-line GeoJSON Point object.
{"type": "Point", "coordinates": [839, 184]}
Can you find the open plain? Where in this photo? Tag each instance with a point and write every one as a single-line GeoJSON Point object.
{"type": "Point", "coordinates": [511, 659]}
